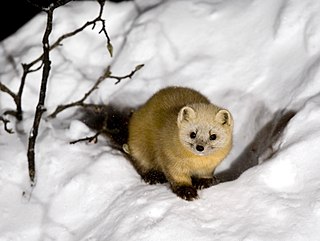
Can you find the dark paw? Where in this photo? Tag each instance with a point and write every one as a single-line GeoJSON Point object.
{"type": "Point", "coordinates": [201, 183]}
{"type": "Point", "coordinates": [188, 193]}
{"type": "Point", "coordinates": [154, 177]}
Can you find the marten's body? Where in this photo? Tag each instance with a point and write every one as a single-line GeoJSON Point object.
{"type": "Point", "coordinates": [180, 137]}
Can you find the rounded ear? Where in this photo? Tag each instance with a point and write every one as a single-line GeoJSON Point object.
{"type": "Point", "coordinates": [125, 148]}
{"type": "Point", "coordinates": [185, 114]}
{"type": "Point", "coordinates": [224, 117]}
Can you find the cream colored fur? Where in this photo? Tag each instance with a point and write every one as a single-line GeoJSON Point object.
{"type": "Point", "coordinates": [159, 135]}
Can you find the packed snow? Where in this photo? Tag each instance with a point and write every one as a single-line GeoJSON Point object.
{"type": "Point", "coordinates": [259, 59]}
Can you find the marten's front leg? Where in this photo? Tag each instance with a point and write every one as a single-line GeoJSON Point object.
{"type": "Point", "coordinates": [153, 177]}
{"type": "Point", "coordinates": [185, 192]}
{"type": "Point", "coordinates": [181, 184]}
{"type": "Point", "coordinates": [201, 183]}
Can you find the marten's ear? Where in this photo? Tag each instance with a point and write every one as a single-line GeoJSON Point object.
{"type": "Point", "coordinates": [224, 117]}
{"type": "Point", "coordinates": [185, 114]}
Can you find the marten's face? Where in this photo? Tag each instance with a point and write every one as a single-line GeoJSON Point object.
{"type": "Point", "coordinates": [203, 131]}
{"type": "Point", "coordinates": [202, 138]}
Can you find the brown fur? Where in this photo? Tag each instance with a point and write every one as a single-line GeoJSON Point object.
{"type": "Point", "coordinates": [162, 147]}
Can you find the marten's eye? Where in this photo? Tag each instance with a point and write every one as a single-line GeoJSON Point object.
{"type": "Point", "coordinates": [213, 137]}
{"type": "Point", "coordinates": [193, 135]}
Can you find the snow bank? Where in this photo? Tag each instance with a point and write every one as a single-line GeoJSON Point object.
{"type": "Point", "coordinates": [260, 59]}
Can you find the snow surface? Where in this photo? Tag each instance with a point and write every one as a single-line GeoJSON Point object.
{"type": "Point", "coordinates": [260, 59]}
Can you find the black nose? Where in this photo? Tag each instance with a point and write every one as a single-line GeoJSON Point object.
{"type": "Point", "coordinates": [199, 148]}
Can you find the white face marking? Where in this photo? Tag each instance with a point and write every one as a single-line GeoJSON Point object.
{"type": "Point", "coordinates": [203, 128]}
{"type": "Point", "coordinates": [202, 139]}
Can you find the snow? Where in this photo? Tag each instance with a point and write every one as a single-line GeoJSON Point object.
{"type": "Point", "coordinates": [259, 59]}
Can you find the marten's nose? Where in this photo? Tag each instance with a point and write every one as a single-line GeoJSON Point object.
{"type": "Point", "coordinates": [199, 148]}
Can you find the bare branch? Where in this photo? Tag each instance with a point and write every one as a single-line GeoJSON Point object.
{"type": "Point", "coordinates": [16, 99]}
{"type": "Point", "coordinates": [106, 74]}
{"type": "Point", "coordinates": [40, 106]}
{"type": "Point", "coordinates": [27, 68]}
{"type": "Point", "coordinates": [46, 5]}
{"type": "Point", "coordinates": [70, 34]}
{"type": "Point", "coordinates": [104, 130]}
{"type": "Point", "coordinates": [138, 67]}
{"type": "Point", "coordinates": [5, 123]}
{"type": "Point", "coordinates": [93, 138]}
{"type": "Point", "coordinates": [7, 90]}
{"type": "Point", "coordinates": [80, 102]}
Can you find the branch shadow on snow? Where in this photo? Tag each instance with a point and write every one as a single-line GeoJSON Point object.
{"type": "Point", "coordinates": [260, 149]}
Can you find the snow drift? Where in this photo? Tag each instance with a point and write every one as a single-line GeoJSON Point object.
{"type": "Point", "coordinates": [259, 59]}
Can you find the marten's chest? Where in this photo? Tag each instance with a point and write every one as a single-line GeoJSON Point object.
{"type": "Point", "coordinates": [200, 164]}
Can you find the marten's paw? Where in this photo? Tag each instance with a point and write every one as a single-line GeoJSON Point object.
{"type": "Point", "coordinates": [188, 193]}
{"type": "Point", "coordinates": [154, 177]}
{"type": "Point", "coordinates": [201, 183]}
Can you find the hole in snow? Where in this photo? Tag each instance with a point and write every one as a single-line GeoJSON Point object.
{"type": "Point", "coordinates": [260, 149]}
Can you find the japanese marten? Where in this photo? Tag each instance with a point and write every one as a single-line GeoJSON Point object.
{"type": "Point", "coordinates": [180, 137]}
{"type": "Point", "coordinates": [176, 136]}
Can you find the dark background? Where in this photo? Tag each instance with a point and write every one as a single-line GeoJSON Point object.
{"type": "Point", "coordinates": [15, 13]}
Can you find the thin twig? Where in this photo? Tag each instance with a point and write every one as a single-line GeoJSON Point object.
{"type": "Point", "coordinates": [27, 68]}
{"type": "Point", "coordinates": [93, 138]}
{"type": "Point", "coordinates": [74, 32]}
{"type": "Point", "coordinates": [16, 99]}
{"type": "Point", "coordinates": [138, 67]}
{"type": "Point", "coordinates": [5, 123]}
{"type": "Point", "coordinates": [7, 90]}
{"type": "Point", "coordinates": [81, 102]}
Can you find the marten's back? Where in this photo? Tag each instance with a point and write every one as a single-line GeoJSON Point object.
{"type": "Point", "coordinates": [163, 106]}
{"type": "Point", "coordinates": [147, 124]}
{"type": "Point", "coordinates": [173, 98]}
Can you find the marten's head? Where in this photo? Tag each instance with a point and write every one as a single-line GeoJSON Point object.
{"type": "Point", "coordinates": [204, 128]}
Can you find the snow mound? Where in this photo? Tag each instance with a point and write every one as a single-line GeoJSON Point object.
{"type": "Point", "coordinates": [259, 59]}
